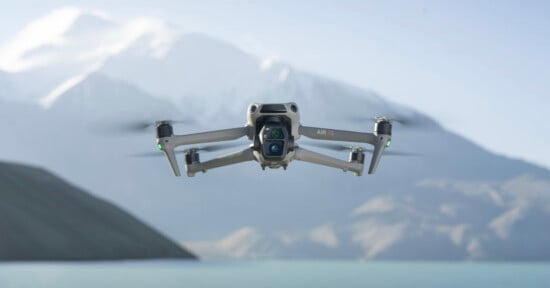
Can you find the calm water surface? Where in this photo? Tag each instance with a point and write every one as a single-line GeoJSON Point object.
{"type": "Point", "coordinates": [168, 274]}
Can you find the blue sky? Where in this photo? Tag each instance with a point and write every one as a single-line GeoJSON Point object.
{"type": "Point", "coordinates": [481, 68]}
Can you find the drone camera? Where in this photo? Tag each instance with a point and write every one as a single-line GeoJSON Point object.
{"type": "Point", "coordinates": [275, 149]}
{"type": "Point", "coordinates": [164, 130]}
{"type": "Point", "coordinates": [274, 140]}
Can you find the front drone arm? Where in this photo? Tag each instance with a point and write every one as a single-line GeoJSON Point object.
{"type": "Point", "coordinates": [234, 158]}
{"type": "Point", "coordinates": [325, 160]}
{"type": "Point", "coordinates": [169, 142]}
{"type": "Point", "coordinates": [379, 141]}
{"type": "Point", "coordinates": [337, 135]}
{"type": "Point", "coordinates": [206, 137]}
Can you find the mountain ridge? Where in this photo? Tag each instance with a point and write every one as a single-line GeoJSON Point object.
{"type": "Point", "coordinates": [45, 218]}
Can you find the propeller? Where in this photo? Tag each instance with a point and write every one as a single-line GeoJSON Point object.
{"type": "Point", "coordinates": [207, 148]}
{"type": "Point", "coordinates": [118, 126]}
{"type": "Point", "coordinates": [215, 147]}
{"type": "Point", "coordinates": [139, 126]}
{"type": "Point", "coordinates": [341, 147]}
{"type": "Point", "coordinates": [409, 122]}
{"type": "Point", "coordinates": [152, 154]}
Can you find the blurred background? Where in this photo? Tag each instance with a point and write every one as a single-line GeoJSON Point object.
{"type": "Point", "coordinates": [474, 74]}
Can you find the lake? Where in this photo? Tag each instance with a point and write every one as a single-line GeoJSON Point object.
{"type": "Point", "coordinates": [168, 274]}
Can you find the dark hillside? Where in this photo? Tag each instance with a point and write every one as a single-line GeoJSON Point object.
{"type": "Point", "coordinates": [43, 217]}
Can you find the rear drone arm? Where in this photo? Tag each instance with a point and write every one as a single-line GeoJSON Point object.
{"type": "Point", "coordinates": [234, 158]}
{"type": "Point", "coordinates": [321, 159]}
{"type": "Point", "coordinates": [379, 141]}
{"type": "Point", "coordinates": [169, 142]}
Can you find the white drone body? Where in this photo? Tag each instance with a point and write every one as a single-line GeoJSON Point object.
{"type": "Point", "coordinates": [274, 130]}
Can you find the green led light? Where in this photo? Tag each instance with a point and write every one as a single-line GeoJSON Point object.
{"type": "Point", "coordinates": [276, 134]}
{"type": "Point", "coordinates": [388, 143]}
{"type": "Point", "coordinates": [159, 146]}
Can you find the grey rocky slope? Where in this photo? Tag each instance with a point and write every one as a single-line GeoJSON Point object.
{"type": "Point", "coordinates": [45, 218]}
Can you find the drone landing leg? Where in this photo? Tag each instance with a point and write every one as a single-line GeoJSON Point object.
{"type": "Point", "coordinates": [317, 158]}
{"type": "Point", "coordinates": [234, 158]}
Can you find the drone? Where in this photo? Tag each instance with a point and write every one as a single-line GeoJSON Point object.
{"type": "Point", "coordinates": [274, 130]}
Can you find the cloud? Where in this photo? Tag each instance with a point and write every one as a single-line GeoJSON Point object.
{"type": "Point", "coordinates": [28, 49]}
{"type": "Point", "coordinates": [455, 233]}
{"type": "Point", "coordinates": [267, 63]}
{"type": "Point", "coordinates": [47, 101]}
{"type": "Point", "coordinates": [516, 196]}
{"type": "Point", "coordinates": [324, 235]}
{"type": "Point", "coordinates": [527, 190]}
{"type": "Point", "coordinates": [77, 42]}
{"type": "Point", "coordinates": [124, 35]}
{"type": "Point", "coordinates": [502, 224]}
{"type": "Point", "coordinates": [241, 244]}
{"type": "Point", "coordinates": [474, 248]}
{"type": "Point", "coordinates": [375, 237]}
{"type": "Point", "coordinates": [523, 190]}
{"type": "Point", "coordinates": [44, 31]}
{"type": "Point", "coordinates": [447, 209]}
{"type": "Point", "coordinates": [289, 238]}
{"type": "Point", "coordinates": [283, 75]}
{"type": "Point", "coordinates": [375, 205]}
{"type": "Point", "coordinates": [472, 189]}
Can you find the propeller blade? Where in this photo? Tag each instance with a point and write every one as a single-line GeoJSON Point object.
{"type": "Point", "coordinates": [405, 121]}
{"type": "Point", "coordinates": [329, 146]}
{"type": "Point", "coordinates": [151, 154]}
{"type": "Point", "coordinates": [393, 153]}
{"type": "Point", "coordinates": [207, 148]}
{"type": "Point", "coordinates": [135, 126]}
{"type": "Point", "coordinates": [217, 147]}
{"type": "Point", "coordinates": [415, 121]}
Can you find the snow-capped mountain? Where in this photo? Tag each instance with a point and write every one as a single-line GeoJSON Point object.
{"type": "Point", "coordinates": [55, 52]}
{"type": "Point", "coordinates": [458, 201]}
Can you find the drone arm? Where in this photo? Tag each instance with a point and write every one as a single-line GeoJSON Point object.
{"type": "Point", "coordinates": [234, 158]}
{"type": "Point", "coordinates": [337, 135]}
{"type": "Point", "coordinates": [171, 156]}
{"type": "Point", "coordinates": [167, 144]}
{"type": "Point", "coordinates": [211, 136]}
{"type": "Point", "coordinates": [381, 142]}
{"type": "Point", "coordinates": [321, 159]}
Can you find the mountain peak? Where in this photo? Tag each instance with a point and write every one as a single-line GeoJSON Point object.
{"type": "Point", "coordinates": [31, 46]}
{"type": "Point", "coordinates": [89, 20]}
{"type": "Point", "coordinates": [67, 44]}
{"type": "Point", "coordinates": [77, 35]}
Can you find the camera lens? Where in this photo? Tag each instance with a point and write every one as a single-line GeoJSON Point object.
{"type": "Point", "coordinates": [275, 149]}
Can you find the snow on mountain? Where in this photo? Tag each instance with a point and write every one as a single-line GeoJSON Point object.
{"type": "Point", "coordinates": [99, 96]}
{"type": "Point", "coordinates": [57, 51]}
{"type": "Point", "coordinates": [201, 73]}
{"type": "Point", "coordinates": [456, 202]}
